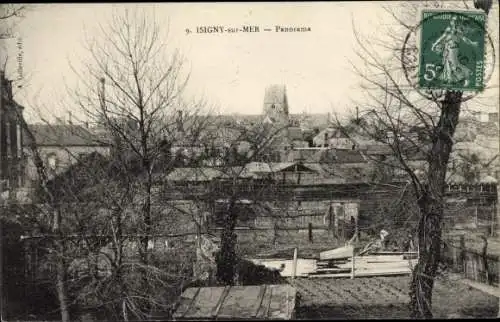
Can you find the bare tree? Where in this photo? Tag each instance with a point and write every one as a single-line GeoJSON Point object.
{"type": "Point", "coordinates": [133, 88]}
{"type": "Point", "coordinates": [52, 210]}
{"type": "Point", "coordinates": [9, 13]}
{"type": "Point", "coordinates": [235, 183]}
{"type": "Point", "coordinates": [396, 116]}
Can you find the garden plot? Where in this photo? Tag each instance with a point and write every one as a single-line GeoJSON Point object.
{"type": "Point", "coordinates": [385, 297]}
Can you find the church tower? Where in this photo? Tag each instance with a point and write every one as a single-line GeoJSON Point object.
{"type": "Point", "coordinates": [276, 105]}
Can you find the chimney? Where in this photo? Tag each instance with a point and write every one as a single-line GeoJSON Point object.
{"type": "Point", "coordinates": [86, 125]}
{"type": "Point", "coordinates": [70, 121]}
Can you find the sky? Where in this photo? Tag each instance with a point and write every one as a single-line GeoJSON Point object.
{"type": "Point", "coordinates": [231, 71]}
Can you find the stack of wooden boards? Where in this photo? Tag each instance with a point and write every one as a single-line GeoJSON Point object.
{"type": "Point", "coordinates": [340, 262]}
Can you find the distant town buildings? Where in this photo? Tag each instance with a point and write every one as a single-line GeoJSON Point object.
{"type": "Point", "coordinates": [61, 145]}
{"type": "Point", "coordinates": [307, 142]}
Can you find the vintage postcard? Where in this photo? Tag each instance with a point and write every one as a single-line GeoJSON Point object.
{"type": "Point", "coordinates": [249, 160]}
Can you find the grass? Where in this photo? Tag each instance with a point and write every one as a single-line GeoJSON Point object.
{"type": "Point", "coordinates": [386, 297]}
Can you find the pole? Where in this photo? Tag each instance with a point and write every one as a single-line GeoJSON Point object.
{"type": "Point", "coordinates": [462, 253]}
{"type": "Point", "coordinates": [352, 264]}
{"type": "Point", "coordinates": [294, 268]}
{"type": "Point", "coordinates": [492, 230]}
{"type": "Point", "coordinates": [475, 218]}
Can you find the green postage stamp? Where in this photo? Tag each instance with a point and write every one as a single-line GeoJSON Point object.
{"type": "Point", "coordinates": [452, 49]}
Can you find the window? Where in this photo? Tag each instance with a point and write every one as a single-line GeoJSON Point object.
{"type": "Point", "coordinates": [81, 156]}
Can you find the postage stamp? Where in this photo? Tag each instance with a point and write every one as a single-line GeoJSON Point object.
{"type": "Point", "coordinates": [452, 50]}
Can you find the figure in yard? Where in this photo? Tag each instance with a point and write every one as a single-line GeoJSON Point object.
{"type": "Point", "coordinates": [376, 245]}
{"type": "Point", "coordinates": [454, 71]}
{"type": "Point", "coordinates": [408, 245]}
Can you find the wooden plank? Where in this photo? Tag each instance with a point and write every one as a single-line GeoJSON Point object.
{"type": "Point", "coordinates": [341, 252]}
{"type": "Point", "coordinates": [394, 253]}
{"type": "Point", "coordinates": [205, 303]}
{"type": "Point", "coordinates": [361, 274]}
{"type": "Point", "coordinates": [294, 264]}
{"type": "Point", "coordinates": [386, 264]}
{"type": "Point", "coordinates": [187, 299]}
{"type": "Point", "coordinates": [279, 307]}
{"type": "Point", "coordinates": [221, 301]}
{"type": "Point", "coordinates": [292, 298]}
{"type": "Point", "coordinates": [381, 257]}
{"type": "Point", "coordinates": [260, 298]}
{"type": "Point", "coordinates": [390, 264]}
{"type": "Point", "coordinates": [378, 268]}
{"type": "Point", "coordinates": [240, 302]}
{"type": "Point", "coordinates": [385, 258]}
{"type": "Point", "coordinates": [263, 311]}
{"type": "Point", "coordinates": [321, 270]}
{"type": "Point", "coordinates": [384, 270]}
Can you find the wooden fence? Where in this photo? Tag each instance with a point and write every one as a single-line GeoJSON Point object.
{"type": "Point", "coordinates": [477, 266]}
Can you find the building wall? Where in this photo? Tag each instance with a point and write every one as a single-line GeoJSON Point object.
{"type": "Point", "coordinates": [63, 156]}
{"type": "Point", "coordinates": [11, 157]}
{"type": "Point", "coordinates": [340, 143]}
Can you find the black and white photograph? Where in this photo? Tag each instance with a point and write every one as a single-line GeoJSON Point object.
{"type": "Point", "coordinates": [301, 160]}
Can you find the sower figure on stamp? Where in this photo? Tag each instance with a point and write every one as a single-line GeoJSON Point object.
{"type": "Point", "coordinates": [448, 44]}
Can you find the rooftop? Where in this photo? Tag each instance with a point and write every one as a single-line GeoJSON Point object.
{"type": "Point", "coordinates": [64, 135]}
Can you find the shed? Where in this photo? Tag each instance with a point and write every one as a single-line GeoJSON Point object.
{"type": "Point", "coordinates": [256, 302]}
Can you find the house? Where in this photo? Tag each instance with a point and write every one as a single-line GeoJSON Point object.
{"type": "Point", "coordinates": [332, 138]}
{"type": "Point", "coordinates": [61, 145]}
{"type": "Point", "coordinates": [83, 176]}
{"type": "Point", "coordinates": [11, 137]}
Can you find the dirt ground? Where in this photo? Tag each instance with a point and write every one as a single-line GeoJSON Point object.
{"type": "Point", "coordinates": [386, 297]}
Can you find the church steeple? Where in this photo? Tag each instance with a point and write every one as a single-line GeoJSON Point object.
{"type": "Point", "coordinates": [276, 104]}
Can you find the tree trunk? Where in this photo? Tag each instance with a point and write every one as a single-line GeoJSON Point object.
{"type": "Point", "coordinates": [146, 210]}
{"type": "Point", "coordinates": [431, 205]}
{"type": "Point", "coordinates": [60, 268]}
{"type": "Point", "coordinates": [226, 259]}
{"type": "Point", "coordinates": [145, 242]}
{"type": "Point", "coordinates": [429, 241]}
